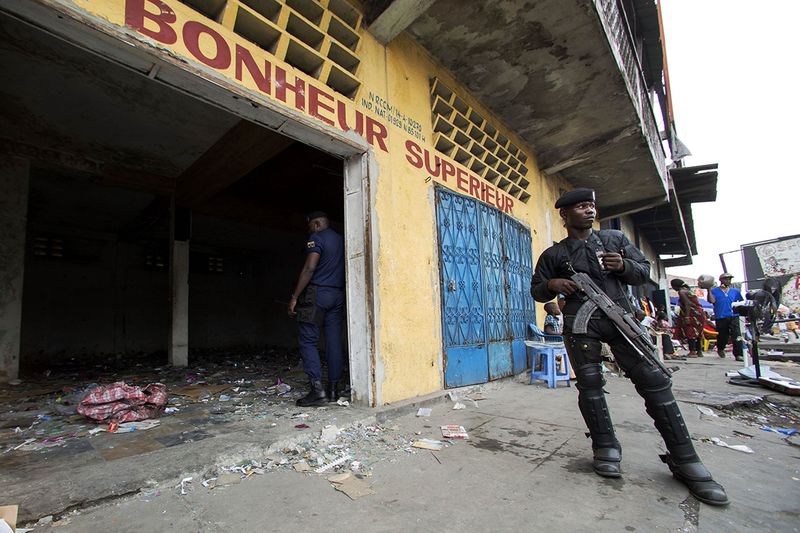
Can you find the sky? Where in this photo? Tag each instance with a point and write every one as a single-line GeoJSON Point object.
{"type": "Point", "coordinates": [734, 74]}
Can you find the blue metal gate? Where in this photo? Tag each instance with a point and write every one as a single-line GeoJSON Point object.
{"type": "Point", "coordinates": [485, 264]}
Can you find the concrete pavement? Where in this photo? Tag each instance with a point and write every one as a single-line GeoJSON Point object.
{"type": "Point", "coordinates": [526, 465]}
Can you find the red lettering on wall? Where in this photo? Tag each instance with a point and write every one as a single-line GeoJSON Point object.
{"type": "Point", "coordinates": [341, 114]}
{"type": "Point", "coordinates": [136, 14]}
{"type": "Point", "coordinates": [314, 104]}
{"type": "Point", "coordinates": [299, 89]}
{"type": "Point", "coordinates": [499, 201]}
{"type": "Point", "coordinates": [474, 186]}
{"type": "Point", "coordinates": [509, 208]}
{"type": "Point", "coordinates": [433, 169]}
{"type": "Point", "coordinates": [489, 199]}
{"type": "Point", "coordinates": [376, 132]}
{"type": "Point", "coordinates": [414, 154]}
{"type": "Point", "coordinates": [192, 31]}
{"type": "Point", "coordinates": [448, 169]}
{"type": "Point", "coordinates": [461, 180]}
{"type": "Point", "coordinates": [263, 80]}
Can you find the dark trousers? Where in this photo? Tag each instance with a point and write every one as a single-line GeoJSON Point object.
{"type": "Point", "coordinates": [330, 305]}
{"type": "Point", "coordinates": [727, 329]}
{"type": "Point", "coordinates": [653, 385]}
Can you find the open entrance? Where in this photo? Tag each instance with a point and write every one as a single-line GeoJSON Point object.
{"type": "Point", "coordinates": [158, 225]}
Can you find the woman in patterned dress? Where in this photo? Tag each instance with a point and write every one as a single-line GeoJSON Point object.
{"type": "Point", "coordinates": [692, 317]}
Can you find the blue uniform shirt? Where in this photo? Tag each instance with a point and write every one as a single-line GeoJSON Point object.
{"type": "Point", "coordinates": [723, 302]}
{"type": "Point", "coordinates": [330, 247]}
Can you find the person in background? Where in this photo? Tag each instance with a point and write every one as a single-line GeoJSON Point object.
{"type": "Point", "coordinates": [692, 318]}
{"type": "Point", "coordinates": [792, 325]}
{"type": "Point", "coordinates": [727, 321]}
{"type": "Point", "coordinates": [318, 301]}
{"type": "Point", "coordinates": [664, 330]}
{"type": "Point", "coordinates": [552, 322]}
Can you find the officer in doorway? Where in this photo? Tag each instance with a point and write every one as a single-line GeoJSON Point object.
{"type": "Point", "coordinates": [318, 301]}
{"type": "Point", "coordinates": [613, 263]}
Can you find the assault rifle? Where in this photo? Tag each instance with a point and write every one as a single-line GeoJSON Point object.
{"type": "Point", "coordinates": [626, 324]}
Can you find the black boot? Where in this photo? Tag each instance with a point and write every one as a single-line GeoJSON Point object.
{"type": "Point", "coordinates": [656, 389]}
{"type": "Point", "coordinates": [315, 397]}
{"type": "Point", "coordinates": [698, 480]}
{"type": "Point", "coordinates": [592, 403]}
{"type": "Point", "coordinates": [333, 391]}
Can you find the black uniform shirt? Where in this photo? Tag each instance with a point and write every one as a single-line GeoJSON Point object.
{"type": "Point", "coordinates": [554, 263]}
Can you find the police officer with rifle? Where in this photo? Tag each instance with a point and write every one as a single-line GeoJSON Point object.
{"type": "Point", "coordinates": [592, 268]}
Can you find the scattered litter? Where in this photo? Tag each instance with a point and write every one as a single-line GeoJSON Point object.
{"type": "Point", "coordinates": [355, 465]}
{"type": "Point", "coordinates": [477, 397]}
{"type": "Point", "coordinates": [707, 411]}
{"type": "Point", "coordinates": [774, 352]}
{"type": "Point", "coordinates": [737, 447]}
{"type": "Point", "coordinates": [454, 432]}
{"type": "Point", "coordinates": [428, 444]}
{"type": "Point", "coordinates": [352, 486]}
{"type": "Point", "coordinates": [130, 427]}
{"type": "Point", "coordinates": [424, 411]}
{"type": "Point", "coordinates": [44, 521]}
{"type": "Point", "coordinates": [784, 431]}
{"type": "Point", "coordinates": [224, 398]}
{"type": "Point", "coordinates": [185, 482]}
{"type": "Point", "coordinates": [301, 426]}
{"type": "Point", "coordinates": [300, 415]}
{"type": "Point", "coordinates": [208, 482]}
{"type": "Point", "coordinates": [342, 402]}
{"type": "Point", "coordinates": [742, 434]}
{"type": "Point", "coordinates": [95, 431]}
{"type": "Point", "coordinates": [171, 410]}
{"type": "Point", "coordinates": [459, 405]}
{"type": "Point", "coordinates": [334, 464]}
{"type": "Point", "coordinates": [328, 434]}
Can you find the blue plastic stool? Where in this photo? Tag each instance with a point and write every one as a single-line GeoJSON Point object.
{"type": "Point", "coordinates": [546, 355]}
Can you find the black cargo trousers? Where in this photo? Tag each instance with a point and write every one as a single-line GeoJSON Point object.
{"type": "Point", "coordinates": [651, 383]}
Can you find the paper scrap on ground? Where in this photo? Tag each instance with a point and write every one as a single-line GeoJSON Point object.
{"type": "Point", "coordinates": [185, 483]}
{"type": "Point", "coordinates": [454, 432]}
{"type": "Point", "coordinates": [8, 517]}
{"type": "Point", "coordinates": [428, 444]}
{"type": "Point", "coordinates": [328, 434]}
{"type": "Point", "coordinates": [343, 402]}
{"type": "Point", "coordinates": [459, 405]}
{"type": "Point", "coordinates": [424, 411]}
{"type": "Point", "coordinates": [707, 411]}
{"type": "Point", "coordinates": [737, 447]}
{"type": "Point", "coordinates": [353, 487]}
{"type": "Point", "coordinates": [301, 466]}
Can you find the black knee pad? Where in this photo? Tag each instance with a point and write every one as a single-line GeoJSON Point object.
{"type": "Point", "coordinates": [649, 379]}
{"type": "Point", "coordinates": [590, 376]}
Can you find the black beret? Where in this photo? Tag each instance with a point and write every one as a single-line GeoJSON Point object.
{"type": "Point", "coordinates": [575, 196]}
{"type": "Point", "coordinates": [316, 214]}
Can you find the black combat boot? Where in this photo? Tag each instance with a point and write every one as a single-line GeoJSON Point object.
{"type": "Point", "coordinates": [592, 403]}
{"type": "Point", "coordinates": [333, 391]}
{"type": "Point", "coordinates": [315, 397]}
{"type": "Point", "coordinates": [656, 389]}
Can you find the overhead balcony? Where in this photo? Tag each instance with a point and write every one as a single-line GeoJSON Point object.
{"type": "Point", "coordinates": [564, 75]}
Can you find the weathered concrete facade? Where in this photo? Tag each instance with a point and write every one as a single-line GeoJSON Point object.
{"type": "Point", "coordinates": [248, 114]}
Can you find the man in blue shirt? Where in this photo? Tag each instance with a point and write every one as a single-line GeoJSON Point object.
{"type": "Point", "coordinates": [318, 301]}
{"type": "Point", "coordinates": [726, 320]}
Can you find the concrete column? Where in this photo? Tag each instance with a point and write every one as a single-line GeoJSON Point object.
{"type": "Point", "coordinates": [180, 230]}
{"type": "Point", "coordinates": [14, 179]}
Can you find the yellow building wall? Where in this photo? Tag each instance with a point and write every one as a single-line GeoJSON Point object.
{"type": "Point", "coordinates": [409, 327]}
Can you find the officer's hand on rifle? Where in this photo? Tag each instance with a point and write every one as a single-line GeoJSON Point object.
{"type": "Point", "coordinates": [612, 262]}
{"type": "Point", "coordinates": [563, 286]}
